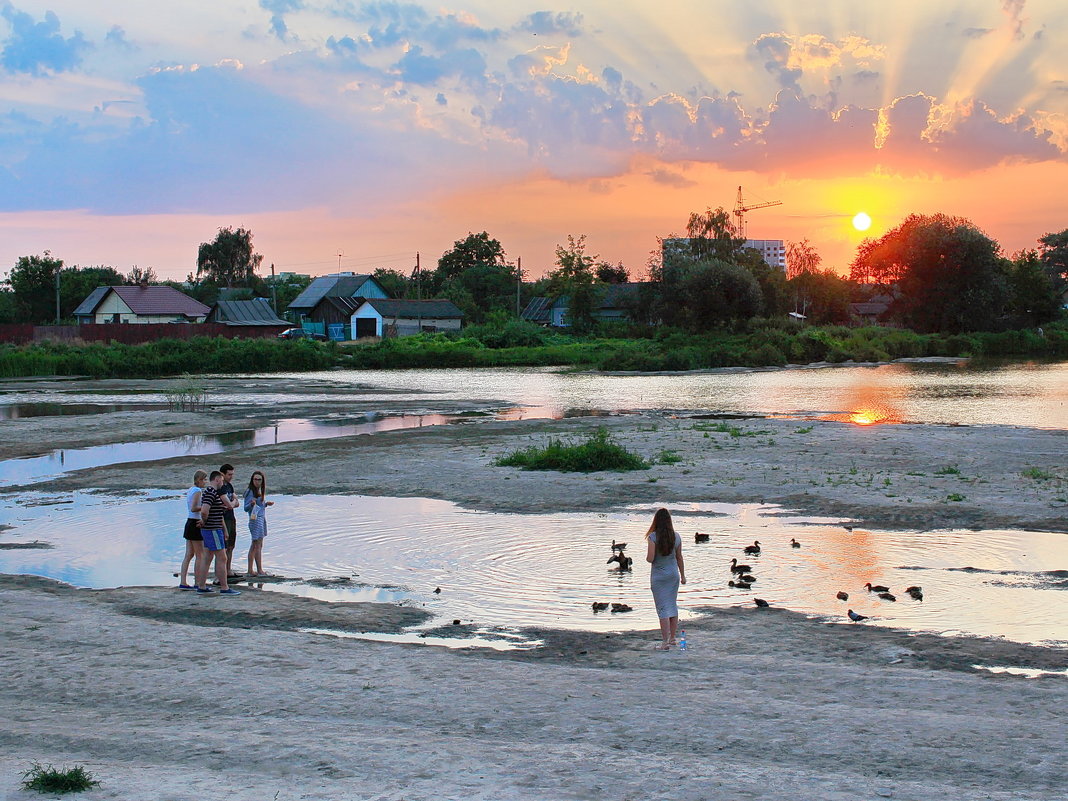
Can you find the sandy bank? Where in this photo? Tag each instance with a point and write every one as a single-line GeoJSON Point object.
{"type": "Point", "coordinates": [168, 697]}
{"type": "Point", "coordinates": [890, 476]}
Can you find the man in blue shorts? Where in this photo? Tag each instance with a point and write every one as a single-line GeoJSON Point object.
{"type": "Point", "coordinates": [214, 533]}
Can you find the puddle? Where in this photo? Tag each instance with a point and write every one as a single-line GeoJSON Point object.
{"type": "Point", "coordinates": [17, 411]}
{"type": "Point", "coordinates": [34, 469]}
{"type": "Point", "coordinates": [500, 570]}
{"type": "Point", "coordinates": [1027, 673]}
{"type": "Point", "coordinates": [412, 638]}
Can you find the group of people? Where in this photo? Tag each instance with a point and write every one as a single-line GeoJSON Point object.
{"type": "Point", "coordinates": [211, 528]}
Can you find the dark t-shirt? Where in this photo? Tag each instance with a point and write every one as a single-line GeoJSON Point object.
{"type": "Point", "coordinates": [227, 489]}
{"type": "Point", "coordinates": [211, 497]}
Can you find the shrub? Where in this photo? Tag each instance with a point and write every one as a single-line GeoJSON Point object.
{"type": "Point", "coordinates": [47, 779]}
{"type": "Point", "coordinates": [599, 452]}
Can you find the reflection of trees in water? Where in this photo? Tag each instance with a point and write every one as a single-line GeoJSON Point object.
{"type": "Point", "coordinates": [245, 436]}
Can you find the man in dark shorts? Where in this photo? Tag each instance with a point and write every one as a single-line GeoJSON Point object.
{"type": "Point", "coordinates": [214, 534]}
{"type": "Point", "coordinates": [230, 503]}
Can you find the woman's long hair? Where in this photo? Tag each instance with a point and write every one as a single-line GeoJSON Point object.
{"type": "Point", "coordinates": [665, 532]}
{"type": "Point", "coordinates": [261, 491]}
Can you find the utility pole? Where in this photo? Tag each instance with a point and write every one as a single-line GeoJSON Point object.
{"type": "Point", "coordinates": [58, 269]}
{"type": "Point", "coordinates": [418, 273]}
{"type": "Point", "coordinates": [339, 255]}
{"type": "Point", "coordinates": [518, 283]}
{"type": "Point", "coordinates": [274, 294]}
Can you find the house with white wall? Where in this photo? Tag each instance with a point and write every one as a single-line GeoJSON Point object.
{"type": "Point", "coordinates": [385, 317]}
{"type": "Point", "coordinates": [140, 304]}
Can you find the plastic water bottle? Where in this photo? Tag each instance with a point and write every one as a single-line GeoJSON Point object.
{"type": "Point", "coordinates": [682, 640]}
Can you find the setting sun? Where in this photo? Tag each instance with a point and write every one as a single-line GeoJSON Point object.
{"type": "Point", "coordinates": [862, 222]}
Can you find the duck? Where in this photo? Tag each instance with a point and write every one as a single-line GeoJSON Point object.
{"type": "Point", "coordinates": [794, 543]}
{"type": "Point", "coordinates": [842, 595]}
{"type": "Point", "coordinates": [739, 585]}
{"type": "Point", "coordinates": [915, 592]}
{"type": "Point", "coordinates": [624, 561]}
{"type": "Point", "coordinates": [856, 617]}
{"type": "Point", "coordinates": [747, 578]}
{"type": "Point", "coordinates": [699, 537]}
{"type": "Point", "coordinates": [761, 603]}
{"type": "Point", "coordinates": [437, 590]}
{"type": "Point", "coordinates": [887, 596]}
{"type": "Point", "coordinates": [618, 546]}
{"type": "Point", "coordinates": [737, 568]}
{"type": "Point", "coordinates": [752, 550]}
{"type": "Point", "coordinates": [621, 608]}
{"type": "Point", "coordinates": [876, 587]}
{"type": "Point", "coordinates": [599, 606]}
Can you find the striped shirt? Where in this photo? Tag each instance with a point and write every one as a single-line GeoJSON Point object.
{"type": "Point", "coordinates": [211, 498]}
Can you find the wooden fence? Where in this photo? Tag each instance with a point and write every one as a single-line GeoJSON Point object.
{"type": "Point", "coordinates": [130, 333]}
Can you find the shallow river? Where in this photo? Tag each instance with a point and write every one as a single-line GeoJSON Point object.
{"type": "Point", "coordinates": [512, 570]}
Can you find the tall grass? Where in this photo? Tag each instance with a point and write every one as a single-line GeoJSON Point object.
{"type": "Point", "coordinates": [166, 357]}
{"type": "Point", "coordinates": [599, 452]}
{"type": "Point", "coordinates": [514, 343]}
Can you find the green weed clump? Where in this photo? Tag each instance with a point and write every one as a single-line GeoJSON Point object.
{"type": "Point", "coordinates": [1037, 473]}
{"type": "Point", "coordinates": [47, 779]}
{"type": "Point", "coordinates": [598, 453]}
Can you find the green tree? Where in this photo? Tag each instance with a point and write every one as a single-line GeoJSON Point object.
{"type": "Point", "coordinates": [574, 278]}
{"type": "Point", "coordinates": [77, 283]}
{"type": "Point", "coordinates": [1053, 250]}
{"type": "Point", "coordinates": [712, 235]}
{"type": "Point", "coordinates": [395, 282]}
{"type": "Point", "coordinates": [33, 282]}
{"type": "Point", "coordinates": [474, 250]}
{"type": "Point", "coordinates": [229, 259]}
{"type": "Point", "coordinates": [945, 273]}
{"type": "Point", "coordinates": [772, 281]}
{"type": "Point", "coordinates": [141, 275]}
{"type": "Point", "coordinates": [482, 289]}
{"type": "Point", "coordinates": [8, 309]}
{"type": "Point", "coordinates": [801, 257]}
{"type": "Point", "coordinates": [713, 293]}
{"type": "Point", "coordinates": [822, 296]}
{"type": "Point", "coordinates": [612, 273]}
{"type": "Point", "coordinates": [1033, 291]}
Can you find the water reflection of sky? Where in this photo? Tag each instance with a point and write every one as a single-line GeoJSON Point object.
{"type": "Point", "coordinates": [38, 468]}
{"type": "Point", "coordinates": [1023, 394]}
{"type": "Point", "coordinates": [513, 570]}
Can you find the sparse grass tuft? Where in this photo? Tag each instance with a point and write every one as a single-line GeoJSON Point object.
{"type": "Point", "coordinates": [804, 430]}
{"type": "Point", "coordinates": [597, 453]}
{"type": "Point", "coordinates": [948, 470]}
{"type": "Point", "coordinates": [669, 457]}
{"type": "Point", "coordinates": [1037, 473]}
{"type": "Point", "coordinates": [955, 497]}
{"type": "Point", "coordinates": [47, 779]}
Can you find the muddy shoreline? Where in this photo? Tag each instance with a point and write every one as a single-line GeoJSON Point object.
{"type": "Point", "coordinates": [903, 476]}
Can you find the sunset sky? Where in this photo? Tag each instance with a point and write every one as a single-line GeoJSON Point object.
{"type": "Point", "coordinates": [130, 131]}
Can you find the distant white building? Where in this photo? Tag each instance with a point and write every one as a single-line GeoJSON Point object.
{"type": "Point", "coordinates": [773, 251]}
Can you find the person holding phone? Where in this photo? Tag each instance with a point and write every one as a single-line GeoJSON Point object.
{"type": "Point", "coordinates": [256, 504]}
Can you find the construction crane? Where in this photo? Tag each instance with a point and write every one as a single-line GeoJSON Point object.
{"type": "Point", "coordinates": [740, 208]}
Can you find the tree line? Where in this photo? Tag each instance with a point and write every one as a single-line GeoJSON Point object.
{"type": "Point", "coordinates": [936, 273]}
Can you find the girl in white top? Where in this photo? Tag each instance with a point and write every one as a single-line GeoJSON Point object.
{"type": "Point", "coordinates": [194, 541]}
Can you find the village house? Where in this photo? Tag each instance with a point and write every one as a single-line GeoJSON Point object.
{"type": "Point", "coordinates": [140, 304]}
{"type": "Point", "coordinates": [378, 317]}
{"type": "Point", "coordinates": [255, 313]}
{"type": "Point", "coordinates": [338, 285]}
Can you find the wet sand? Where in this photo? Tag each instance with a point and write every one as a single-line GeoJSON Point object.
{"type": "Point", "coordinates": [170, 697]}
{"type": "Point", "coordinates": [164, 695]}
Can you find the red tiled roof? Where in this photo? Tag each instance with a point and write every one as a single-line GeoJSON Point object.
{"type": "Point", "coordinates": [153, 300]}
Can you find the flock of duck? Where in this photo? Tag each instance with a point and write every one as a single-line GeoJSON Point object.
{"type": "Point", "coordinates": [744, 578]}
